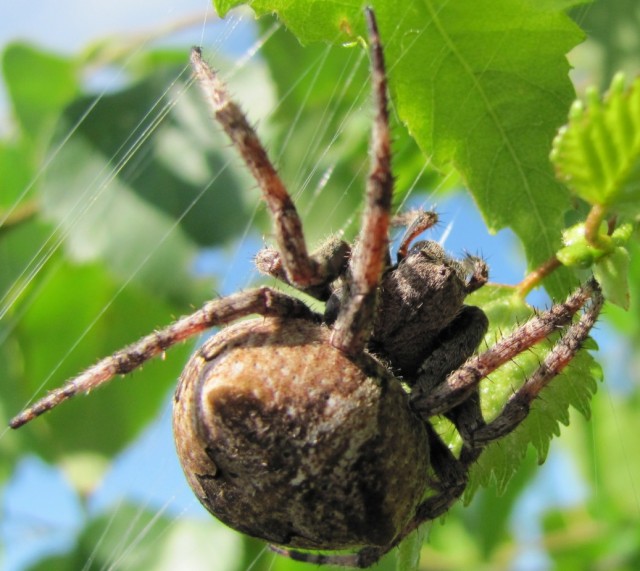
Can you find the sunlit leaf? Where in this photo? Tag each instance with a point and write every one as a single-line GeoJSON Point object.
{"type": "Point", "coordinates": [611, 273]}
{"type": "Point", "coordinates": [597, 154]}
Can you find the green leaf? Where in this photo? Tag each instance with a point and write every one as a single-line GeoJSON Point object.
{"type": "Point", "coordinates": [577, 250]}
{"type": "Point", "coordinates": [408, 558]}
{"type": "Point", "coordinates": [480, 84]}
{"type": "Point", "coordinates": [39, 85]}
{"type": "Point", "coordinates": [597, 154]}
{"type": "Point", "coordinates": [609, 443]}
{"type": "Point", "coordinates": [611, 273]}
{"type": "Point", "coordinates": [610, 265]}
{"type": "Point", "coordinates": [15, 173]}
{"type": "Point", "coordinates": [489, 516]}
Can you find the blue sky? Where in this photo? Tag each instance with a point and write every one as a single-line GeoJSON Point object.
{"type": "Point", "coordinates": [69, 25]}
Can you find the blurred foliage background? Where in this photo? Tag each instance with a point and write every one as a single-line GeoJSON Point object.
{"type": "Point", "coordinates": [121, 206]}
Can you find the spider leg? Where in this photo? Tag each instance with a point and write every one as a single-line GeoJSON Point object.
{"type": "Point", "coordinates": [361, 559]}
{"type": "Point", "coordinates": [263, 301]}
{"type": "Point", "coordinates": [416, 222]}
{"type": "Point", "coordinates": [460, 384]}
{"type": "Point", "coordinates": [332, 257]}
{"type": "Point", "coordinates": [456, 344]}
{"type": "Point", "coordinates": [517, 407]}
{"type": "Point", "coordinates": [451, 481]}
{"type": "Point", "coordinates": [300, 268]}
{"type": "Point", "coordinates": [353, 326]}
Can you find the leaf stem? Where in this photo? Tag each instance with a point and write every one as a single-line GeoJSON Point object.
{"type": "Point", "coordinates": [536, 276]}
{"type": "Point", "coordinates": [592, 228]}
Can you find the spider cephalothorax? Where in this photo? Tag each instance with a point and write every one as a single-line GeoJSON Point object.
{"type": "Point", "coordinates": [296, 427]}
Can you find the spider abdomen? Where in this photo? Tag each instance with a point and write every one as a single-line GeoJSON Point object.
{"type": "Point", "coordinates": [284, 438]}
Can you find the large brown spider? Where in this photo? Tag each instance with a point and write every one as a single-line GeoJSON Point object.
{"type": "Point", "coordinates": [294, 427]}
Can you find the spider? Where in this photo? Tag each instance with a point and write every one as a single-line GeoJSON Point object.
{"type": "Point", "coordinates": [313, 431]}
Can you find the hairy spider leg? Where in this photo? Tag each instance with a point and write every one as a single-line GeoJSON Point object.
{"type": "Point", "coordinates": [477, 436]}
{"type": "Point", "coordinates": [455, 397]}
{"type": "Point", "coordinates": [353, 325]}
{"type": "Point", "coordinates": [462, 382]}
{"type": "Point", "coordinates": [562, 353]}
{"type": "Point", "coordinates": [299, 267]}
{"type": "Point", "coordinates": [263, 301]}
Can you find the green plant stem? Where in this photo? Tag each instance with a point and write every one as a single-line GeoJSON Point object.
{"type": "Point", "coordinates": [592, 228]}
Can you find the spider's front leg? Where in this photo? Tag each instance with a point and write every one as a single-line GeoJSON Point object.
{"type": "Point", "coordinates": [415, 223]}
{"type": "Point", "coordinates": [352, 328]}
{"type": "Point", "coordinates": [299, 268]}
{"type": "Point", "coordinates": [457, 396]}
{"type": "Point", "coordinates": [263, 301]}
{"type": "Point", "coordinates": [456, 344]}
